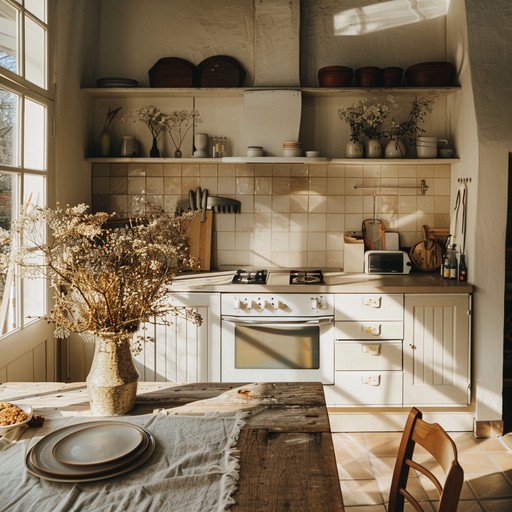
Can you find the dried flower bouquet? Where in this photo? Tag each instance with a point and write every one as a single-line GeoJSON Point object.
{"type": "Point", "coordinates": [104, 279]}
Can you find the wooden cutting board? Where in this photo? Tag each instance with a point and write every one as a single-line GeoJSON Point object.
{"type": "Point", "coordinates": [199, 236]}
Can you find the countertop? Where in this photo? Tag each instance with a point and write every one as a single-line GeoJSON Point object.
{"type": "Point", "coordinates": [335, 282]}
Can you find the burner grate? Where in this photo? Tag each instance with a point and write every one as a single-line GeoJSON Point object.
{"type": "Point", "coordinates": [306, 277]}
{"type": "Point", "coordinates": [250, 277]}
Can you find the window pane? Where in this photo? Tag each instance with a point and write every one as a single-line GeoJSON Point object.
{"type": "Point", "coordinates": [8, 127]}
{"type": "Point", "coordinates": [34, 296]}
{"type": "Point", "coordinates": [35, 135]}
{"type": "Point", "coordinates": [8, 37]}
{"type": "Point", "coordinates": [35, 51]}
{"type": "Point", "coordinates": [34, 190]}
{"type": "Point", "coordinates": [8, 194]}
{"type": "Point", "coordinates": [37, 8]}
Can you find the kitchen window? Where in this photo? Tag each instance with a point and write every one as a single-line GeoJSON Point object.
{"type": "Point", "coordinates": [26, 106]}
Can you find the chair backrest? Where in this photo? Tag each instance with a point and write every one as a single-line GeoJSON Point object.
{"type": "Point", "coordinates": [438, 443]}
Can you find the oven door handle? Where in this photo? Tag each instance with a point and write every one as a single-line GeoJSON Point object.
{"type": "Point", "coordinates": [296, 322]}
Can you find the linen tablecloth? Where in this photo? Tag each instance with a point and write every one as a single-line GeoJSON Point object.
{"type": "Point", "coordinates": [193, 468]}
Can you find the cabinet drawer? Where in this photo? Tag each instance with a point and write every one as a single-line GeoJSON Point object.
{"type": "Point", "coordinates": [368, 330]}
{"type": "Point", "coordinates": [374, 306]}
{"type": "Point", "coordinates": [368, 356]}
{"type": "Point", "coordinates": [368, 388]}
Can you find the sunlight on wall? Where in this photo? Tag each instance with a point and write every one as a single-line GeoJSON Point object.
{"type": "Point", "coordinates": [386, 15]}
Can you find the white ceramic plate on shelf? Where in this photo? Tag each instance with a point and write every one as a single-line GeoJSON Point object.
{"type": "Point", "coordinates": [27, 410]}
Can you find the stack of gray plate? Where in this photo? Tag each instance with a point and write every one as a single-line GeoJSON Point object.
{"type": "Point", "coordinates": [90, 451]}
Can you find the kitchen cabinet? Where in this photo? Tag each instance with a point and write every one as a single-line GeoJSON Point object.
{"type": "Point", "coordinates": [436, 349]}
{"type": "Point", "coordinates": [368, 350]}
{"type": "Point", "coordinates": [183, 351]}
{"type": "Point", "coordinates": [402, 350]}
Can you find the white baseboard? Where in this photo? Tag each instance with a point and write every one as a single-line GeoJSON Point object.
{"type": "Point", "coordinates": [393, 421]}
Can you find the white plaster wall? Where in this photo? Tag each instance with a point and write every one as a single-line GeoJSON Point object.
{"type": "Point", "coordinates": [490, 53]}
{"type": "Point", "coordinates": [357, 33]}
{"type": "Point", "coordinates": [76, 58]}
{"type": "Point", "coordinates": [134, 35]}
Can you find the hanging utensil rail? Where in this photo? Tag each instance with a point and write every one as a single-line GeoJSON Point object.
{"type": "Point", "coordinates": [423, 187]}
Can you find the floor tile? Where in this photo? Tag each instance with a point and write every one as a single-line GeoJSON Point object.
{"type": "Point", "coordinates": [469, 506]}
{"type": "Point", "coordinates": [366, 508]}
{"type": "Point", "coordinates": [497, 505]}
{"type": "Point", "coordinates": [494, 485]}
{"type": "Point", "coordinates": [360, 492]}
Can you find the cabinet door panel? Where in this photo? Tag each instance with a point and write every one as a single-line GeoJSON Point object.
{"type": "Point", "coordinates": [436, 349]}
{"type": "Point", "coordinates": [179, 352]}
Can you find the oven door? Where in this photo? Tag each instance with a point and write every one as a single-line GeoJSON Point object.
{"type": "Point", "coordinates": [278, 350]}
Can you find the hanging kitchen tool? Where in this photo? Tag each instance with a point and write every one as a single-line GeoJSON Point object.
{"type": "Point", "coordinates": [374, 233]}
{"type": "Point", "coordinates": [427, 254]}
{"type": "Point", "coordinates": [458, 220]}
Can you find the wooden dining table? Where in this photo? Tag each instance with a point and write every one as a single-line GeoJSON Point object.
{"type": "Point", "coordinates": [285, 448]}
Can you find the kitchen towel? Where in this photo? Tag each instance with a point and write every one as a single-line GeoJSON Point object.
{"type": "Point", "coordinates": [193, 468]}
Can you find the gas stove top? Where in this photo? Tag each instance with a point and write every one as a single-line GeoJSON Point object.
{"type": "Point", "coordinates": [294, 277]}
{"type": "Point", "coordinates": [250, 277]}
{"type": "Point", "coordinates": [306, 277]}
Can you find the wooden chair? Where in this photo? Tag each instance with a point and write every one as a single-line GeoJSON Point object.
{"type": "Point", "coordinates": [438, 443]}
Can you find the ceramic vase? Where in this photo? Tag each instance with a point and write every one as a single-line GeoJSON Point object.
{"type": "Point", "coordinates": [354, 149]}
{"type": "Point", "coordinates": [112, 380]}
{"type": "Point", "coordinates": [201, 145]}
{"type": "Point", "coordinates": [373, 148]}
{"type": "Point", "coordinates": [154, 152]}
{"type": "Point", "coordinates": [105, 144]}
{"type": "Point", "coordinates": [395, 149]}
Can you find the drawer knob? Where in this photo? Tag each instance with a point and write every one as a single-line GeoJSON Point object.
{"type": "Point", "coordinates": [372, 350]}
{"type": "Point", "coordinates": [371, 380]}
{"type": "Point", "coordinates": [374, 330]}
{"type": "Point", "coordinates": [372, 302]}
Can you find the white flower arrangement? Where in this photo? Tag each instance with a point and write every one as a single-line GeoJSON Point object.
{"type": "Point", "coordinates": [365, 119]}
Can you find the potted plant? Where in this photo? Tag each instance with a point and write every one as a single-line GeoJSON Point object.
{"type": "Point", "coordinates": [107, 280]}
{"type": "Point", "coordinates": [364, 119]}
{"type": "Point", "coordinates": [178, 124]}
{"type": "Point", "coordinates": [154, 119]}
{"type": "Point", "coordinates": [409, 127]}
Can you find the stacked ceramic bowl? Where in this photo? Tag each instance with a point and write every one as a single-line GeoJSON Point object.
{"type": "Point", "coordinates": [426, 147]}
{"type": "Point", "coordinates": [430, 74]}
{"type": "Point", "coordinates": [335, 76]}
{"type": "Point", "coordinates": [292, 148]}
{"type": "Point", "coordinates": [254, 151]}
{"type": "Point", "coordinates": [392, 76]}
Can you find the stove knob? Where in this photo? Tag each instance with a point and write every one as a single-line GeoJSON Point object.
{"type": "Point", "coordinates": [237, 303]}
{"type": "Point", "coordinates": [316, 303]}
{"type": "Point", "coordinates": [261, 303]}
{"type": "Point", "coordinates": [276, 304]}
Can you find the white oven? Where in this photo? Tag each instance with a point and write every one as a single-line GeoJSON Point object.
{"type": "Point", "coordinates": [284, 337]}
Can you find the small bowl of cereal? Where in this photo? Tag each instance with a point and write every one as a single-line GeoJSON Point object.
{"type": "Point", "coordinates": [12, 415]}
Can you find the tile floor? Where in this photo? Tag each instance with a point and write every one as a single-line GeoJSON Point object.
{"type": "Point", "coordinates": [366, 460]}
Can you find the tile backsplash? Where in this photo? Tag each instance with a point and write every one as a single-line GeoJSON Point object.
{"type": "Point", "coordinates": [292, 215]}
